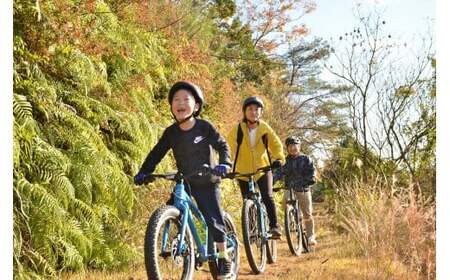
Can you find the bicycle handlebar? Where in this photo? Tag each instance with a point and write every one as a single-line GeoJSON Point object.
{"type": "Point", "coordinates": [233, 175]}
{"type": "Point", "coordinates": [279, 189]}
{"type": "Point", "coordinates": [204, 170]}
{"type": "Point", "coordinates": [176, 176]}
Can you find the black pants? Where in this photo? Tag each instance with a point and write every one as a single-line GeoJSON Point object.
{"type": "Point", "coordinates": [265, 187]}
{"type": "Point", "coordinates": [208, 202]}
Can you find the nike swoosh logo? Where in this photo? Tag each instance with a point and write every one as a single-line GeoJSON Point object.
{"type": "Point", "coordinates": [198, 139]}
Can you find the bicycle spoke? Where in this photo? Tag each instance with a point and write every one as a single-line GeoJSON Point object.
{"type": "Point", "coordinates": [171, 265]}
{"type": "Point", "coordinates": [255, 238]}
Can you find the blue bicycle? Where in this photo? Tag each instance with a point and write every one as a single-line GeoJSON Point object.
{"type": "Point", "coordinates": [260, 248]}
{"type": "Point", "coordinates": [172, 233]}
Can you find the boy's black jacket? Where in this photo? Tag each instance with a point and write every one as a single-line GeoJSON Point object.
{"type": "Point", "coordinates": [298, 173]}
{"type": "Point", "coordinates": [191, 149]}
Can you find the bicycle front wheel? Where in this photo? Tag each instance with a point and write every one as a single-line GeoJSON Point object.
{"type": "Point", "coordinates": [293, 229]}
{"type": "Point", "coordinates": [162, 261]}
{"type": "Point", "coordinates": [254, 243]}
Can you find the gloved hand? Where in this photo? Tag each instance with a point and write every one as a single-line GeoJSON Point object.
{"type": "Point", "coordinates": [276, 164]}
{"type": "Point", "coordinates": [221, 169]}
{"type": "Point", "coordinates": [142, 178]}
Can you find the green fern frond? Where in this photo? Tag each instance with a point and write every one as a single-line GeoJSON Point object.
{"type": "Point", "coordinates": [58, 159]}
{"type": "Point", "coordinates": [41, 264]}
{"type": "Point", "coordinates": [22, 109]}
{"type": "Point", "coordinates": [120, 127]}
{"type": "Point", "coordinates": [17, 241]}
{"type": "Point", "coordinates": [107, 214]}
{"type": "Point", "coordinates": [79, 104]}
{"type": "Point", "coordinates": [17, 154]}
{"type": "Point", "coordinates": [128, 147]}
{"type": "Point", "coordinates": [23, 187]}
{"type": "Point", "coordinates": [81, 178]}
{"type": "Point", "coordinates": [94, 231]}
{"type": "Point", "coordinates": [101, 179]}
{"type": "Point", "coordinates": [63, 183]}
{"type": "Point", "coordinates": [83, 211]}
{"type": "Point", "coordinates": [63, 190]}
{"type": "Point", "coordinates": [43, 172]}
{"type": "Point", "coordinates": [45, 200]}
{"type": "Point", "coordinates": [126, 198]}
{"type": "Point", "coordinates": [74, 232]}
{"type": "Point", "coordinates": [72, 258]}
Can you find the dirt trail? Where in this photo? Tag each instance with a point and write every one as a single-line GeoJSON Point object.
{"type": "Point", "coordinates": [332, 259]}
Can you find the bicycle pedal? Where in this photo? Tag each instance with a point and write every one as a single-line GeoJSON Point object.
{"type": "Point", "coordinates": [198, 265]}
{"type": "Point", "coordinates": [274, 237]}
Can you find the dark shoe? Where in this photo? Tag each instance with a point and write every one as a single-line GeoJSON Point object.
{"type": "Point", "coordinates": [275, 232]}
{"type": "Point", "coordinates": [224, 268]}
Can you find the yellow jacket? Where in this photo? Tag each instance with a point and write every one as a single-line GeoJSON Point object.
{"type": "Point", "coordinates": [250, 159]}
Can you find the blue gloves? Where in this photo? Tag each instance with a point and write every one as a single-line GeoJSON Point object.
{"type": "Point", "coordinates": [142, 178]}
{"type": "Point", "coordinates": [221, 169]}
{"type": "Point", "coordinates": [276, 164]}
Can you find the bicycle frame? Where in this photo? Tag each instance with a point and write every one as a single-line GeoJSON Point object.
{"type": "Point", "coordinates": [292, 199]}
{"type": "Point", "coordinates": [189, 210]}
{"type": "Point", "coordinates": [256, 197]}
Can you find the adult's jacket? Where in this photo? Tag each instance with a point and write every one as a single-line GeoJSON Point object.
{"type": "Point", "coordinates": [250, 159]}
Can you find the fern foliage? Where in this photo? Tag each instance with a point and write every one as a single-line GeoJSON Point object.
{"type": "Point", "coordinates": [80, 133]}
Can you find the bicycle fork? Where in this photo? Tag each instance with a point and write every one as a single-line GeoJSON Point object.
{"type": "Point", "coordinates": [256, 197]}
{"type": "Point", "coordinates": [181, 233]}
{"type": "Point", "coordinates": [261, 213]}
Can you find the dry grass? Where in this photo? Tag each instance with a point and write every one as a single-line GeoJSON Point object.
{"type": "Point", "coordinates": [394, 233]}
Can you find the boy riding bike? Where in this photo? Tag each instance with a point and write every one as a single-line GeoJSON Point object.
{"type": "Point", "coordinates": [259, 145]}
{"type": "Point", "coordinates": [298, 173]}
{"type": "Point", "coordinates": [191, 140]}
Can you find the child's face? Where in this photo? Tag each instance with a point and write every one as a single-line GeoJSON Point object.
{"type": "Point", "coordinates": [253, 112]}
{"type": "Point", "coordinates": [183, 104]}
{"type": "Point", "coordinates": [294, 149]}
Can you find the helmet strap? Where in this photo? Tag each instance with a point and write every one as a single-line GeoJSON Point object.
{"type": "Point", "coordinates": [183, 120]}
{"type": "Point", "coordinates": [251, 122]}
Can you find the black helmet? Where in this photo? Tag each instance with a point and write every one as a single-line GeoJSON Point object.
{"type": "Point", "coordinates": [193, 88]}
{"type": "Point", "coordinates": [292, 140]}
{"type": "Point", "coordinates": [253, 100]}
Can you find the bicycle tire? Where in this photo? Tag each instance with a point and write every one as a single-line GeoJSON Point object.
{"type": "Point", "coordinates": [306, 247]}
{"type": "Point", "coordinates": [152, 245]}
{"type": "Point", "coordinates": [272, 251]}
{"type": "Point", "coordinates": [272, 244]}
{"type": "Point", "coordinates": [230, 231]}
{"type": "Point", "coordinates": [251, 235]}
{"type": "Point", "coordinates": [294, 230]}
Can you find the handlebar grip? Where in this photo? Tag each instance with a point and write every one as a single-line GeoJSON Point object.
{"type": "Point", "coordinates": [231, 175]}
{"type": "Point", "coordinates": [263, 169]}
{"type": "Point", "coordinates": [148, 178]}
